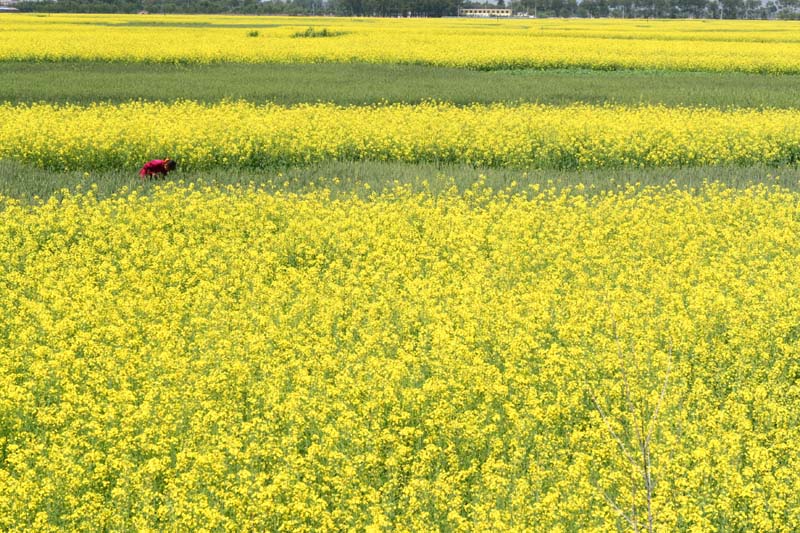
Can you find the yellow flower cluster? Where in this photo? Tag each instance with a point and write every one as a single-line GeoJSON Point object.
{"type": "Point", "coordinates": [202, 359]}
{"type": "Point", "coordinates": [250, 135]}
{"type": "Point", "coordinates": [752, 46]}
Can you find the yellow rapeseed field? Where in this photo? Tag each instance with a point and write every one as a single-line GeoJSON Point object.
{"type": "Point", "coordinates": [244, 358]}
{"type": "Point", "coordinates": [750, 46]}
{"type": "Point", "coordinates": [202, 359]}
{"type": "Point", "coordinates": [244, 134]}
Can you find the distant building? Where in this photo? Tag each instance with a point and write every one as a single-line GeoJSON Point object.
{"type": "Point", "coordinates": [485, 12]}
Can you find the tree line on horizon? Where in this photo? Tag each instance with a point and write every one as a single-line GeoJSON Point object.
{"type": "Point", "coordinates": [724, 9]}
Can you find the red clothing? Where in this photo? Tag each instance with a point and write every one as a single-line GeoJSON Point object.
{"type": "Point", "coordinates": [156, 166]}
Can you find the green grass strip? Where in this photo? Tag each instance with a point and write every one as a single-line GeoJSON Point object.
{"type": "Point", "coordinates": [364, 178]}
{"type": "Point", "coordinates": [357, 84]}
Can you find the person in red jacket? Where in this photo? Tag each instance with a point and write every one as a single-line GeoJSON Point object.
{"type": "Point", "coordinates": [157, 166]}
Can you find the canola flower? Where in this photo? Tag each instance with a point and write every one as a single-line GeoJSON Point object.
{"type": "Point", "coordinates": [709, 45]}
{"type": "Point", "coordinates": [234, 359]}
{"type": "Point", "coordinates": [528, 135]}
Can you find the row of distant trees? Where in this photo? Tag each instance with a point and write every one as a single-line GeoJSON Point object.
{"type": "Point", "coordinates": [729, 9]}
{"type": "Point", "coordinates": [381, 8]}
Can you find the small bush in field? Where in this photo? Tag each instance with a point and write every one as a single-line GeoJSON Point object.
{"type": "Point", "coordinates": [313, 32]}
